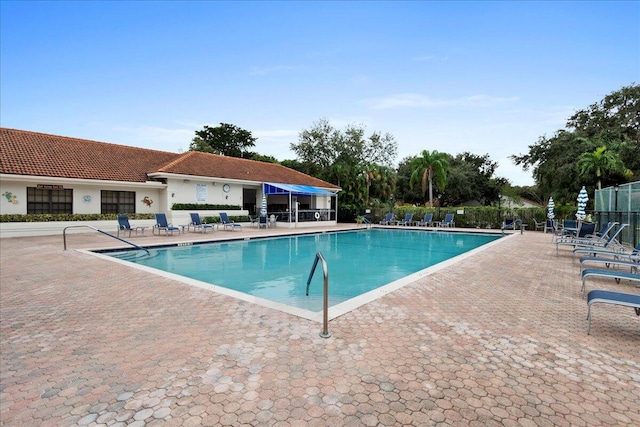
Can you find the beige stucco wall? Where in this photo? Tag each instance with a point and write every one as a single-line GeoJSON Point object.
{"type": "Point", "coordinates": [86, 195]}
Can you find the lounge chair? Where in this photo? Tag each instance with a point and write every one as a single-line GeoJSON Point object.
{"type": "Point", "coordinates": [608, 253]}
{"type": "Point", "coordinates": [589, 238]}
{"type": "Point", "coordinates": [162, 224]}
{"type": "Point", "coordinates": [595, 243]}
{"type": "Point", "coordinates": [198, 224]}
{"type": "Point", "coordinates": [224, 220]}
{"type": "Point", "coordinates": [388, 220]}
{"type": "Point", "coordinates": [448, 221]}
{"type": "Point", "coordinates": [407, 220]}
{"type": "Point", "coordinates": [124, 226]}
{"type": "Point", "coordinates": [617, 275]}
{"type": "Point", "coordinates": [610, 297]}
{"type": "Point", "coordinates": [427, 221]}
{"type": "Point", "coordinates": [632, 262]}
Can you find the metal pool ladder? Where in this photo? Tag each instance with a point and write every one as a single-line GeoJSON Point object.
{"type": "Point", "coordinates": [64, 237]}
{"type": "Point", "coordinates": [325, 300]}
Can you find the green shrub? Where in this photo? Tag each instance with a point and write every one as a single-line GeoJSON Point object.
{"type": "Point", "coordinates": [203, 207]}
{"type": "Point", "coordinates": [67, 217]}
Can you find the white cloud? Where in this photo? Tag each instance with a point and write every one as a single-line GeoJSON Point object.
{"type": "Point", "coordinates": [415, 100]}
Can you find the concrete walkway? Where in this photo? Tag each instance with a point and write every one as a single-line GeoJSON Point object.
{"type": "Point", "coordinates": [497, 339]}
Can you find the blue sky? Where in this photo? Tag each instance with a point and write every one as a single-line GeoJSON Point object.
{"type": "Point", "coordinates": [484, 77]}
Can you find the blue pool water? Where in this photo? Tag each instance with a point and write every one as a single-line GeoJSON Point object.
{"type": "Point", "coordinates": [277, 269]}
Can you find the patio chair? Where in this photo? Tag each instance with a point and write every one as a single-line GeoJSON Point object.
{"type": "Point", "coordinates": [427, 221]}
{"type": "Point", "coordinates": [198, 224]}
{"type": "Point", "coordinates": [538, 225]}
{"type": "Point", "coordinates": [224, 220]}
{"type": "Point", "coordinates": [124, 226]}
{"type": "Point", "coordinates": [610, 297]}
{"type": "Point", "coordinates": [253, 219]}
{"type": "Point", "coordinates": [632, 262]}
{"type": "Point", "coordinates": [448, 221]}
{"type": "Point", "coordinates": [569, 227]}
{"type": "Point", "coordinates": [388, 220]}
{"type": "Point", "coordinates": [617, 275]}
{"type": "Point", "coordinates": [406, 221]}
{"type": "Point", "coordinates": [551, 225]}
{"type": "Point", "coordinates": [263, 222]}
{"type": "Point", "coordinates": [607, 253]}
{"type": "Point", "coordinates": [509, 223]}
{"type": "Point", "coordinates": [162, 224]}
{"type": "Point", "coordinates": [594, 243]}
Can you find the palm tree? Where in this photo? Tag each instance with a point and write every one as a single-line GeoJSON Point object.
{"type": "Point", "coordinates": [430, 166]}
{"type": "Point", "coordinates": [600, 161]}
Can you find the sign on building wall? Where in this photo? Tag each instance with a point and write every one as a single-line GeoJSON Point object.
{"type": "Point", "coordinates": [201, 192]}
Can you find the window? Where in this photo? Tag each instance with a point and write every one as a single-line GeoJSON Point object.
{"type": "Point", "coordinates": [117, 201]}
{"type": "Point", "coordinates": [49, 201]}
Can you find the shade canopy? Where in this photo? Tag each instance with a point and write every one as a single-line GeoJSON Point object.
{"type": "Point", "coordinates": [295, 189]}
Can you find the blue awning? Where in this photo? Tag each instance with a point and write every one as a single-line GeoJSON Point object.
{"type": "Point", "coordinates": [273, 188]}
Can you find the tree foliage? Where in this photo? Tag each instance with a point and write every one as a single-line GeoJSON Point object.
{"type": "Point", "coordinates": [427, 168]}
{"type": "Point", "coordinates": [599, 162]}
{"type": "Point", "coordinates": [471, 178]}
{"type": "Point", "coordinates": [226, 139]}
{"type": "Point", "coordinates": [613, 122]}
{"type": "Point", "coordinates": [361, 165]}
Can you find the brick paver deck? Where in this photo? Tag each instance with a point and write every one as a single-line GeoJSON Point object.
{"type": "Point", "coordinates": [497, 339]}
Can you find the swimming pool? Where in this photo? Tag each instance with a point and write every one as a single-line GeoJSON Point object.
{"type": "Point", "coordinates": [276, 269]}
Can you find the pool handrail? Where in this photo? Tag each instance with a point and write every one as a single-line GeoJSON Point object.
{"type": "Point", "coordinates": [325, 290]}
{"type": "Point", "coordinates": [64, 237]}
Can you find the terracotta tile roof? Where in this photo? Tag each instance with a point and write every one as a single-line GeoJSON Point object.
{"type": "Point", "coordinates": [205, 164]}
{"type": "Point", "coordinates": [32, 153]}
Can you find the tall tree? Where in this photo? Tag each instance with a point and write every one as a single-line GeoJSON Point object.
{"type": "Point", "coordinates": [349, 159]}
{"type": "Point", "coordinates": [600, 162]}
{"type": "Point", "coordinates": [430, 166]}
{"type": "Point", "coordinates": [613, 122]}
{"type": "Point", "coordinates": [226, 139]}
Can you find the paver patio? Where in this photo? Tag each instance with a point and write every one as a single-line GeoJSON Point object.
{"type": "Point", "coordinates": [497, 339]}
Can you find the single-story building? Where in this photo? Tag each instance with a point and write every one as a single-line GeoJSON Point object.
{"type": "Point", "coordinates": [49, 174]}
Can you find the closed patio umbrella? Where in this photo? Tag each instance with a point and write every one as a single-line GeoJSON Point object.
{"type": "Point", "coordinates": [263, 206]}
{"type": "Point", "coordinates": [550, 207]}
{"type": "Point", "coordinates": [583, 197]}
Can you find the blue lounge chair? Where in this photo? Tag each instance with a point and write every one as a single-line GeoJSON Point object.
{"type": "Point", "coordinates": [608, 253]}
{"type": "Point", "coordinates": [224, 220]}
{"type": "Point", "coordinates": [632, 262]}
{"type": "Point", "coordinates": [162, 224]}
{"type": "Point", "coordinates": [448, 221]}
{"type": "Point", "coordinates": [124, 226]}
{"type": "Point", "coordinates": [595, 243]}
{"type": "Point", "coordinates": [198, 224]}
{"type": "Point", "coordinates": [388, 220]}
{"type": "Point", "coordinates": [612, 274]}
{"type": "Point", "coordinates": [427, 221]}
{"type": "Point", "coordinates": [610, 297]}
{"type": "Point", "coordinates": [407, 220]}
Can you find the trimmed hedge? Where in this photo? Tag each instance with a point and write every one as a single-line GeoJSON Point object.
{"type": "Point", "coordinates": [203, 207]}
{"type": "Point", "coordinates": [67, 217]}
